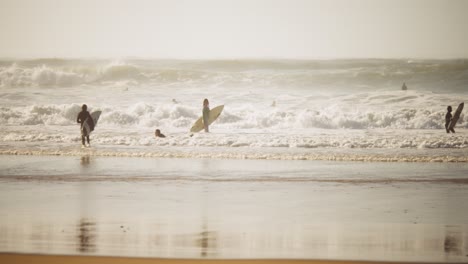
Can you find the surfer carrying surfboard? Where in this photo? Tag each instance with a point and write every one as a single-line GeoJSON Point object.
{"type": "Point", "coordinates": [451, 122]}
{"type": "Point", "coordinates": [208, 117]}
{"type": "Point", "coordinates": [83, 117]}
{"type": "Point", "coordinates": [206, 114]}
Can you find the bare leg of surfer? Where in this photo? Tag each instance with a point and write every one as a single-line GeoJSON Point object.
{"type": "Point", "coordinates": [84, 138]}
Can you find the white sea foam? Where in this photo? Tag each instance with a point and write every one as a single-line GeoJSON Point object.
{"type": "Point", "coordinates": [341, 112]}
{"type": "Point", "coordinates": [333, 154]}
{"type": "Point", "coordinates": [320, 138]}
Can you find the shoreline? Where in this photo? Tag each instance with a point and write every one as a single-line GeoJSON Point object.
{"type": "Point", "coordinates": [318, 154]}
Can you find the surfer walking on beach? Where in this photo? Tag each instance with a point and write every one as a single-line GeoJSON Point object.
{"type": "Point", "coordinates": [206, 114]}
{"type": "Point", "coordinates": [83, 117]}
{"type": "Point", "coordinates": [448, 119]}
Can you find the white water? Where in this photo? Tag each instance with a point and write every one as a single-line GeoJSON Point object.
{"type": "Point", "coordinates": [288, 105]}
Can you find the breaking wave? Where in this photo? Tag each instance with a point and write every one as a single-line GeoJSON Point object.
{"type": "Point", "coordinates": [237, 117]}
{"type": "Point", "coordinates": [435, 75]}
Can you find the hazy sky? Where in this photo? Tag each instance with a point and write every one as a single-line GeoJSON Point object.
{"type": "Point", "coordinates": [234, 29]}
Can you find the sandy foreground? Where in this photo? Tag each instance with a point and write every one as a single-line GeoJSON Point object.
{"type": "Point", "coordinates": [52, 259]}
{"type": "Point", "coordinates": [76, 209]}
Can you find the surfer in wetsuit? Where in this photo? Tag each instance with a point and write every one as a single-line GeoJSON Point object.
{"type": "Point", "coordinates": [404, 88]}
{"type": "Point", "coordinates": [206, 114]}
{"type": "Point", "coordinates": [448, 119]}
{"type": "Point", "coordinates": [82, 117]}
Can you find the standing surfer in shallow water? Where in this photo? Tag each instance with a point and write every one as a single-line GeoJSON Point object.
{"type": "Point", "coordinates": [84, 116]}
{"type": "Point", "coordinates": [206, 114]}
{"type": "Point", "coordinates": [448, 119]}
{"type": "Point", "coordinates": [404, 88]}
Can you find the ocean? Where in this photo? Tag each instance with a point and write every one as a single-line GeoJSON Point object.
{"type": "Point", "coordinates": [351, 109]}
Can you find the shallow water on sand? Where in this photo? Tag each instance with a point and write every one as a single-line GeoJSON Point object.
{"type": "Point", "coordinates": [209, 208]}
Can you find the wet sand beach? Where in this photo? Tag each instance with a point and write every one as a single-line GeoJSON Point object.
{"type": "Point", "coordinates": [170, 210]}
{"type": "Point", "coordinates": [40, 259]}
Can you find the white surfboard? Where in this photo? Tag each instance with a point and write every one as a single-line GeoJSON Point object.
{"type": "Point", "coordinates": [95, 116]}
{"type": "Point", "coordinates": [214, 113]}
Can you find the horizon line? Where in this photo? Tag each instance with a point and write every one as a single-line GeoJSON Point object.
{"type": "Point", "coordinates": [224, 58]}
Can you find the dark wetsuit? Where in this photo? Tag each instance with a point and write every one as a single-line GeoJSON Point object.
{"type": "Point", "coordinates": [448, 119]}
{"type": "Point", "coordinates": [82, 116]}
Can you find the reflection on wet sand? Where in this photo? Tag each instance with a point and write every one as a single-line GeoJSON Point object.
{"type": "Point", "coordinates": [207, 242]}
{"type": "Point", "coordinates": [455, 238]}
{"type": "Point", "coordinates": [392, 242]}
{"type": "Point", "coordinates": [86, 228]}
{"type": "Point", "coordinates": [223, 220]}
{"type": "Point", "coordinates": [86, 236]}
{"type": "Point", "coordinates": [85, 160]}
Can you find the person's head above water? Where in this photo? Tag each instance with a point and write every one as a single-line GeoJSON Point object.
{"type": "Point", "coordinates": [205, 102]}
{"type": "Point", "coordinates": [449, 108]}
{"type": "Point", "coordinates": [157, 133]}
{"type": "Point", "coordinates": [84, 107]}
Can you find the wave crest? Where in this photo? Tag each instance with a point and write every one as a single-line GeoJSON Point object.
{"type": "Point", "coordinates": [239, 118]}
{"type": "Point", "coordinates": [443, 75]}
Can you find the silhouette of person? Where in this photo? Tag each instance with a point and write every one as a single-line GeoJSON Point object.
{"type": "Point", "coordinates": [404, 88]}
{"type": "Point", "coordinates": [83, 117]}
{"type": "Point", "coordinates": [448, 119]}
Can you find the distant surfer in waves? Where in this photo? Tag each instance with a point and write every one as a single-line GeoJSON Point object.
{"type": "Point", "coordinates": [404, 88]}
{"type": "Point", "coordinates": [158, 134]}
{"type": "Point", "coordinates": [82, 117]}
{"type": "Point", "coordinates": [206, 114]}
{"type": "Point", "coordinates": [448, 119]}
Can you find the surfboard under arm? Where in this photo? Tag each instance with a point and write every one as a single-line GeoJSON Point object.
{"type": "Point", "coordinates": [456, 116]}
{"type": "Point", "coordinates": [214, 114]}
{"type": "Point", "coordinates": [87, 129]}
